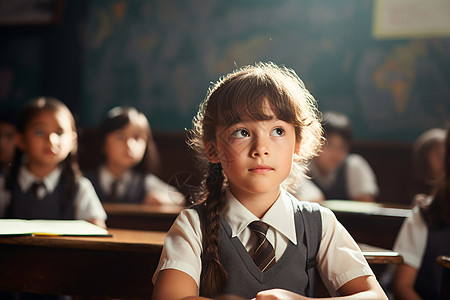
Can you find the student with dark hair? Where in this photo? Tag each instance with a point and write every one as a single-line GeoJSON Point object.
{"type": "Point", "coordinates": [248, 237]}
{"type": "Point", "coordinates": [45, 181]}
{"type": "Point", "coordinates": [127, 158]}
{"type": "Point", "coordinates": [338, 173]}
{"type": "Point", "coordinates": [422, 238]}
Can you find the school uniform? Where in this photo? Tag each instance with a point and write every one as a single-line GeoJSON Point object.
{"type": "Point", "coordinates": [44, 203]}
{"type": "Point", "coordinates": [353, 178]}
{"type": "Point", "coordinates": [339, 258]}
{"type": "Point", "coordinates": [420, 246]}
{"type": "Point", "coordinates": [131, 187]}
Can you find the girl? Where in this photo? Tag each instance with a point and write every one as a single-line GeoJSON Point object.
{"type": "Point", "coordinates": [45, 181]}
{"type": "Point", "coordinates": [423, 237]}
{"type": "Point", "coordinates": [338, 173]}
{"type": "Point", "coordinates": [250, 128]}
{"type": "Point", "coordinates": [128, 157]}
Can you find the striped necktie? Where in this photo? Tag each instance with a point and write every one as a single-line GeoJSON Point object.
{"type": "Point", "coordinates": [263, 254]}
{"type": "Point", "coordinates": [35, 188]}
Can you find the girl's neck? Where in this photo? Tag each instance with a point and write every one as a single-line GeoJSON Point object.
{"type": "Point", "coordinates": [115, 170]}
{"type": "Point", "coordinates": [257, 204]}
{"type": "Point", "coordinates": [40, 171]}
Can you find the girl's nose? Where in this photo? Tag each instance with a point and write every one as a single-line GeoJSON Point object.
{"type": "Point", "coordinates": [260, 148]}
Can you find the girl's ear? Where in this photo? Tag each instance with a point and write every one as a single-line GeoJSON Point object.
{"type": "Point", "coordinates": [297, 151]}
{"type": "Point", "coordinates": [211, 152]}
{"type": "Point", "coordinates": [74, 139]}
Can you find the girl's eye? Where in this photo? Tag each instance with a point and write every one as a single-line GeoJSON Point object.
{"type": "Point", "coordinates": [277, 132]}
{"type": "Point", "coordinates": [241, 133]}
{"type": "Point", "coordinates": [39, 132]}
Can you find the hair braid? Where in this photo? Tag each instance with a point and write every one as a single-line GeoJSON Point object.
{"type": "Point", "coordinates": [214, 276]}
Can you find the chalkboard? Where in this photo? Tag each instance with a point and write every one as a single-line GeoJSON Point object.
{"type": "Point", "coordinates": [161, 57]}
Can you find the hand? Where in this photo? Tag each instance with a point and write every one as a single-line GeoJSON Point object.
{"type": "Point", "coordinates": [278, 294]}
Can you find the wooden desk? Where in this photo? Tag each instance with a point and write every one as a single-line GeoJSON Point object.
{"type": "Point", "coordinates": [118, 266]}
{"type": "Point", "coordinates": [371, 223]}
{"type": "Point", "coordinates": [376, 255]}
{"type": "Point", "coordinates": [141, 217]}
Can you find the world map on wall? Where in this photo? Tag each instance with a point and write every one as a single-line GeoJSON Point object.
{"type": "Point", "coordinates": [161, 56]}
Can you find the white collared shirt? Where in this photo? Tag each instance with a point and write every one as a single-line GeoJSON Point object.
{"type": "Point", "coordinates": [152, 185]}
{"type": "Point", "coordinates": [339, 257]}
{"type": "Point", "coordinates": [411, 240]}
{"type": "Point", "coordinates": [87, 204]}
{"type": "Point", "coordinates": [361, 179]}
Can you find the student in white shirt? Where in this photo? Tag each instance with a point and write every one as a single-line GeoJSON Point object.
{"type": "Point", "coordinates": [251, 127]}
{"type": "Point", "coordinates": [338, 173]}
{"type": "Point", "coordinates": [45, 182]}
{"type": "Point", "coordinates": [127, 159]}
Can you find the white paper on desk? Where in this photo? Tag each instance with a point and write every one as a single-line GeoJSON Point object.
{"type": "Point", "coordinates": [50, 227]}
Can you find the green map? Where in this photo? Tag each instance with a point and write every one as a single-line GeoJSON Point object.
{"type": "Point", "coordinates": [161, 56]}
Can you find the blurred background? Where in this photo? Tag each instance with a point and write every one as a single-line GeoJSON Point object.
{"type": "Point", "coordinates": [385, 65]}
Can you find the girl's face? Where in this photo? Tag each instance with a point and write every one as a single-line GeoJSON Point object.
{"type": "Point", "coordinates": [256, 156]}
{"type": "Point", "coordinates": [124, 148]}
{"type": "Point", "coordinates": [48, 139]}
{"type": "Point", "coordinates": [333, 153]}
{"type": "Point", "coordinates": [436, 160]}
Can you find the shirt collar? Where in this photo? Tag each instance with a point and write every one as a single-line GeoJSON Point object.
{"type": "Point", "coordinates": [280, 216]}
{"type": "Point", "coordinates": [26, 179]}
{"type": "Point", "coordinates": [106, 179]}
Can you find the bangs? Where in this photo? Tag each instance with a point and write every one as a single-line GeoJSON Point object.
{"type": "Point", "coordinates": [260, 100]}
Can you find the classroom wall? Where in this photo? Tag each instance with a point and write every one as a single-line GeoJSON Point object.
{"type": "Point", "coordinates": [161, 55]}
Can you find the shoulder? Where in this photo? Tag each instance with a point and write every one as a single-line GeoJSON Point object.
{"type": "Point", "coordinates": [411, 239]}
{"type": "Point", "coordinates": [356, 160]}
{"type": "Point", "coordinates": [84, 182]}
{"type": "Point", "coordinates": [85, 190]}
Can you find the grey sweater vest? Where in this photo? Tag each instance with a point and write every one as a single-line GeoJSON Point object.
{"type": "Point", "coordinates": [294, 271]}
{"type": "Point", "coordinates": [53, 206]}
{"type": "Point", "coordinates": [429, 277]}
{"type": "Point", "coordinates": [135, 192]}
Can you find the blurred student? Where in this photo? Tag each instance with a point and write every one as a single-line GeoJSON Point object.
{"type": "Point", "coordinates": [306, 190]}
{"type": "Point", "coordinates": [428, 161]}
{"type": "Point", "coordinates": [338, 173]}
{"type": "Point", "coordinates": [45, 182]}
{"type": "Point", "coordinates": [8, 141]}
{"type": "Point", "coordinates": [422, 238]}
{"type": "Point", "coordinates": [127, 160]}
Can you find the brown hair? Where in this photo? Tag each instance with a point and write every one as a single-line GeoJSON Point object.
{"type": "Point", "coordinates": [437, 213]}
{"type": "Point", "coordinates": [239, 95]}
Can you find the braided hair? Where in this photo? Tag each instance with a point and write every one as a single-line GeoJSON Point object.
{"type": "Point", "coordinates": [237, 96]}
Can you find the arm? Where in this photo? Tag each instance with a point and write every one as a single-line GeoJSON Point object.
{"type": "Point", "coordinates": [403, 285]}
{"type": "Point", "coordinates": [186, 288]}
{"type": "Point", "coordinates": [364, 198]}
{"type": "Point", "coordinates": [364, 288]}
{"type": "Point", "coordinates": [99, 222]}
{"type": "Point", "coordinates": [159, 192]}
{"type": "Point", "coordinates": [361, 180]}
